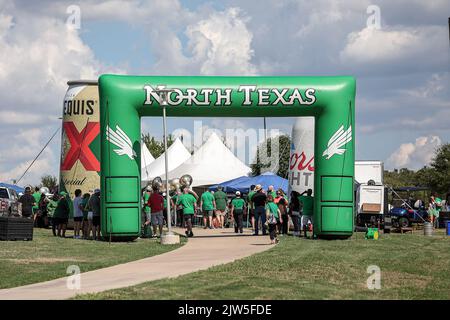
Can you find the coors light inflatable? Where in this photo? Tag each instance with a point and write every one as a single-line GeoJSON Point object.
{"type": "Point", "coordinates": [301, 160]}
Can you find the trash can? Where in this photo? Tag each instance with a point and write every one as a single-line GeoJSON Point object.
{"type": "Point", "coordinates": [372, 233]}
{"type": "Point", "coordinates": [16, 228]}
{"type": "Point", "coordinates": [447, 227]}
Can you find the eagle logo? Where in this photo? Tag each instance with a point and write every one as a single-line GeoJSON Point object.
{"type": "Point", "coordinates": [339, 139]}
{"type": "Point", "coordinates": [120, 139]}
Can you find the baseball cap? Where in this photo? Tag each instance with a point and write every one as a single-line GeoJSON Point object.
{"type": "Point", "coordinates": [63, 193]}
{"type": "Point", "coordinates": [97, 190]}
{"type": "Point", "coordinates": [238, 193]}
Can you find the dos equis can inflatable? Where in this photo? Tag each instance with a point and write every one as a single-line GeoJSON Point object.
{"type": "Point", "coordinates": [80, 143]}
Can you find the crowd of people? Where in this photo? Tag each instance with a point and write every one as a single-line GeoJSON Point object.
{"type": "Point", "coordinates": [270, 211]}
{"type": "Point", "coordinates": [54, 210]}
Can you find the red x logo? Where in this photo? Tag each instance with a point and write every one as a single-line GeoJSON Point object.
{"type": "Point", "coordinates": [79, 146]}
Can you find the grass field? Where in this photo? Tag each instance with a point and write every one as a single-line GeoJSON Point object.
{"type": "Point", "coordinates": [412, 267]}
{"type": "Point", "coordinates": [47, 257]}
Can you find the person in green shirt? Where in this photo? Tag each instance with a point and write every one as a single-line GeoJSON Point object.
{"type": "Point", "coordinates": [274, 218]}
{"type": "Point", "coordinates": [271, 191]}
{"type": "Point", "coordinates": [251, 206]}
{"type": "Point", "coordinates": [147, 209]}
{"type": "Point", "coordinates": [221, 204]}
{"type": "Point", "coordinates": [37, 197]}
{"type": "Point", "coordinates": [436, 205]}
{"type": "Point", "coordinates": [307, 207]}
{"type": "Point", "coordinates": [208, 204]}
{"type": "Point", "coordinates": [62, 212]}
{"type": "Point", "coordinates": [189, 203]}
{"type": "Point", "coordinates": [179, 208]}
{"type": "Point", "coordinates": [51, 207]}
{"type": "Point", "coordinates": [237, 212]}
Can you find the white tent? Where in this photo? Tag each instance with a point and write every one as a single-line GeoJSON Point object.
{"type": "Point", "coordinates": [146, 156]}
{"type": "Point", "coordinates": [177, 154]}
{"type": "Point", "coordinates": [212, 163]}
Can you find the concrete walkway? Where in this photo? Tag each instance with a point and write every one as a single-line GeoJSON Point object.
{"type": "Point", "coordinates": [206, 249]}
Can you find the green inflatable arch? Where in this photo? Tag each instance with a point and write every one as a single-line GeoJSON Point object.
{"type": "Point", "coordinates": [125, 99]}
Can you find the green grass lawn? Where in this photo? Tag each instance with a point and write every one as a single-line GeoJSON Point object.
{"type": "Point", "coordinates": [412, 267]}
{"type": "Point", "coordinates": [47, 257]}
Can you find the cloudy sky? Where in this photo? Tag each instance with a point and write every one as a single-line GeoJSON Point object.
{"type": "Point", "coordinates": [401, 63]}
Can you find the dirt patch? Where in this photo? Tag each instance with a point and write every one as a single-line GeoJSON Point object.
{"type": "Point", "coordinates": [44, 260]}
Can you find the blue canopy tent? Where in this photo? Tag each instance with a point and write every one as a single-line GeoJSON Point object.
{"type": "Point", "coordinates": [243, 184]}
{"type": "Point", "coordinates": [228, 185]}
{"type": "Point", "coordinates": [12, 186]}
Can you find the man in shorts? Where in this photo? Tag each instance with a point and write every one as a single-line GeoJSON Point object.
{"type": "Point", "coordinates": [221, 204]}
{"type": "Point", "coordinates": [77, 214]}
{"type": "Point", "coordinates": [189, 203]}
{"type": "Point", "coordinates": [156, 203]}
{"type": "Point", "coordinates": [208, 204]}
{"type": "Point", "coordinates": [94, 204]}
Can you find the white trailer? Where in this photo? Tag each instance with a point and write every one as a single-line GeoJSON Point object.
{"type": "Point", "coordinates": [371, 194]}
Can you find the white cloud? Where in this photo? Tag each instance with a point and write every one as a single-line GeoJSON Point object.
{"type": "Point", "coordinates": [221, 44]}
{"type": "Point", "coordinates": [38, 55]}
{"type": "Point", "coordinates": [400, 45]}
{"type": "Point", "coordinates": [414, 155]}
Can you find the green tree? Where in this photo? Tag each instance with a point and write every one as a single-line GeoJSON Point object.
{"type": "Point", "coordinates": [49, 181]}
{"type": "Point", "coordinates": [436, 176]}
{"type": "Point", "coordinates": [440, 173]}
{"type": "Point", "coordinates": [156, 147]}
{"type": "Point", "coordinates": [278, 161]}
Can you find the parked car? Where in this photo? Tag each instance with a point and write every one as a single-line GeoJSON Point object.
{"type": "Point", "coordinates": [405, 216]}
{"type": "Point", "coordinates": [9, 202]}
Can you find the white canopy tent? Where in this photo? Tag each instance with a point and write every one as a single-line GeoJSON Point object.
{"type": "Point", "coordinates": [212, 163]}
{"type": "Point", "coordinates": [146, 156]}
{"type": "Point", "coordinates": [177, 154]}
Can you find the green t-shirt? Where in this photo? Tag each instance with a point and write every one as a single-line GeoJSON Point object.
{"type": "Point", "coordinates": [188, 201]}
{"type": "Point", "coordinates": [273, 194]}
{"type": "Point", "coordinates": [238, 203]}
{"type": "Point", "coordinates": [51, 206]}
{"type": "Point", "coordinates": [147, 208]}
{"type": "Point", "coordinates": [37, 198]}
{"type": "Point", "coordinates": [221, 200]}
{"type": "Point", "coordinates": [273, 208]}
{"type": "Point", "coordinates": [308, 205]}
{"type": "Point", "coordinates": [207, 201]}
{"type": "Point", "coordinates": [175, 201]}
{"type": "Point", "coordinates": [249, 198]}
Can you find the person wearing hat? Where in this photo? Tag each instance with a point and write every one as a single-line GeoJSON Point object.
{"type": "Point", "coordinates": [259, 200]}
{"type": "Point", "coordinates": [94, 205]}
{"type": "Point", "coordinates": [61, 214]}
{"type": "Point", "coordinates": [237, 212]}
{"type": "Point", "coordinates": [27, 201]}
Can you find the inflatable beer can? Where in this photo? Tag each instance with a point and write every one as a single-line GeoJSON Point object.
{"type": "Point", "coordinates": [301, 160]}
{"type": "Point", "coordinates": [80, 142]}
